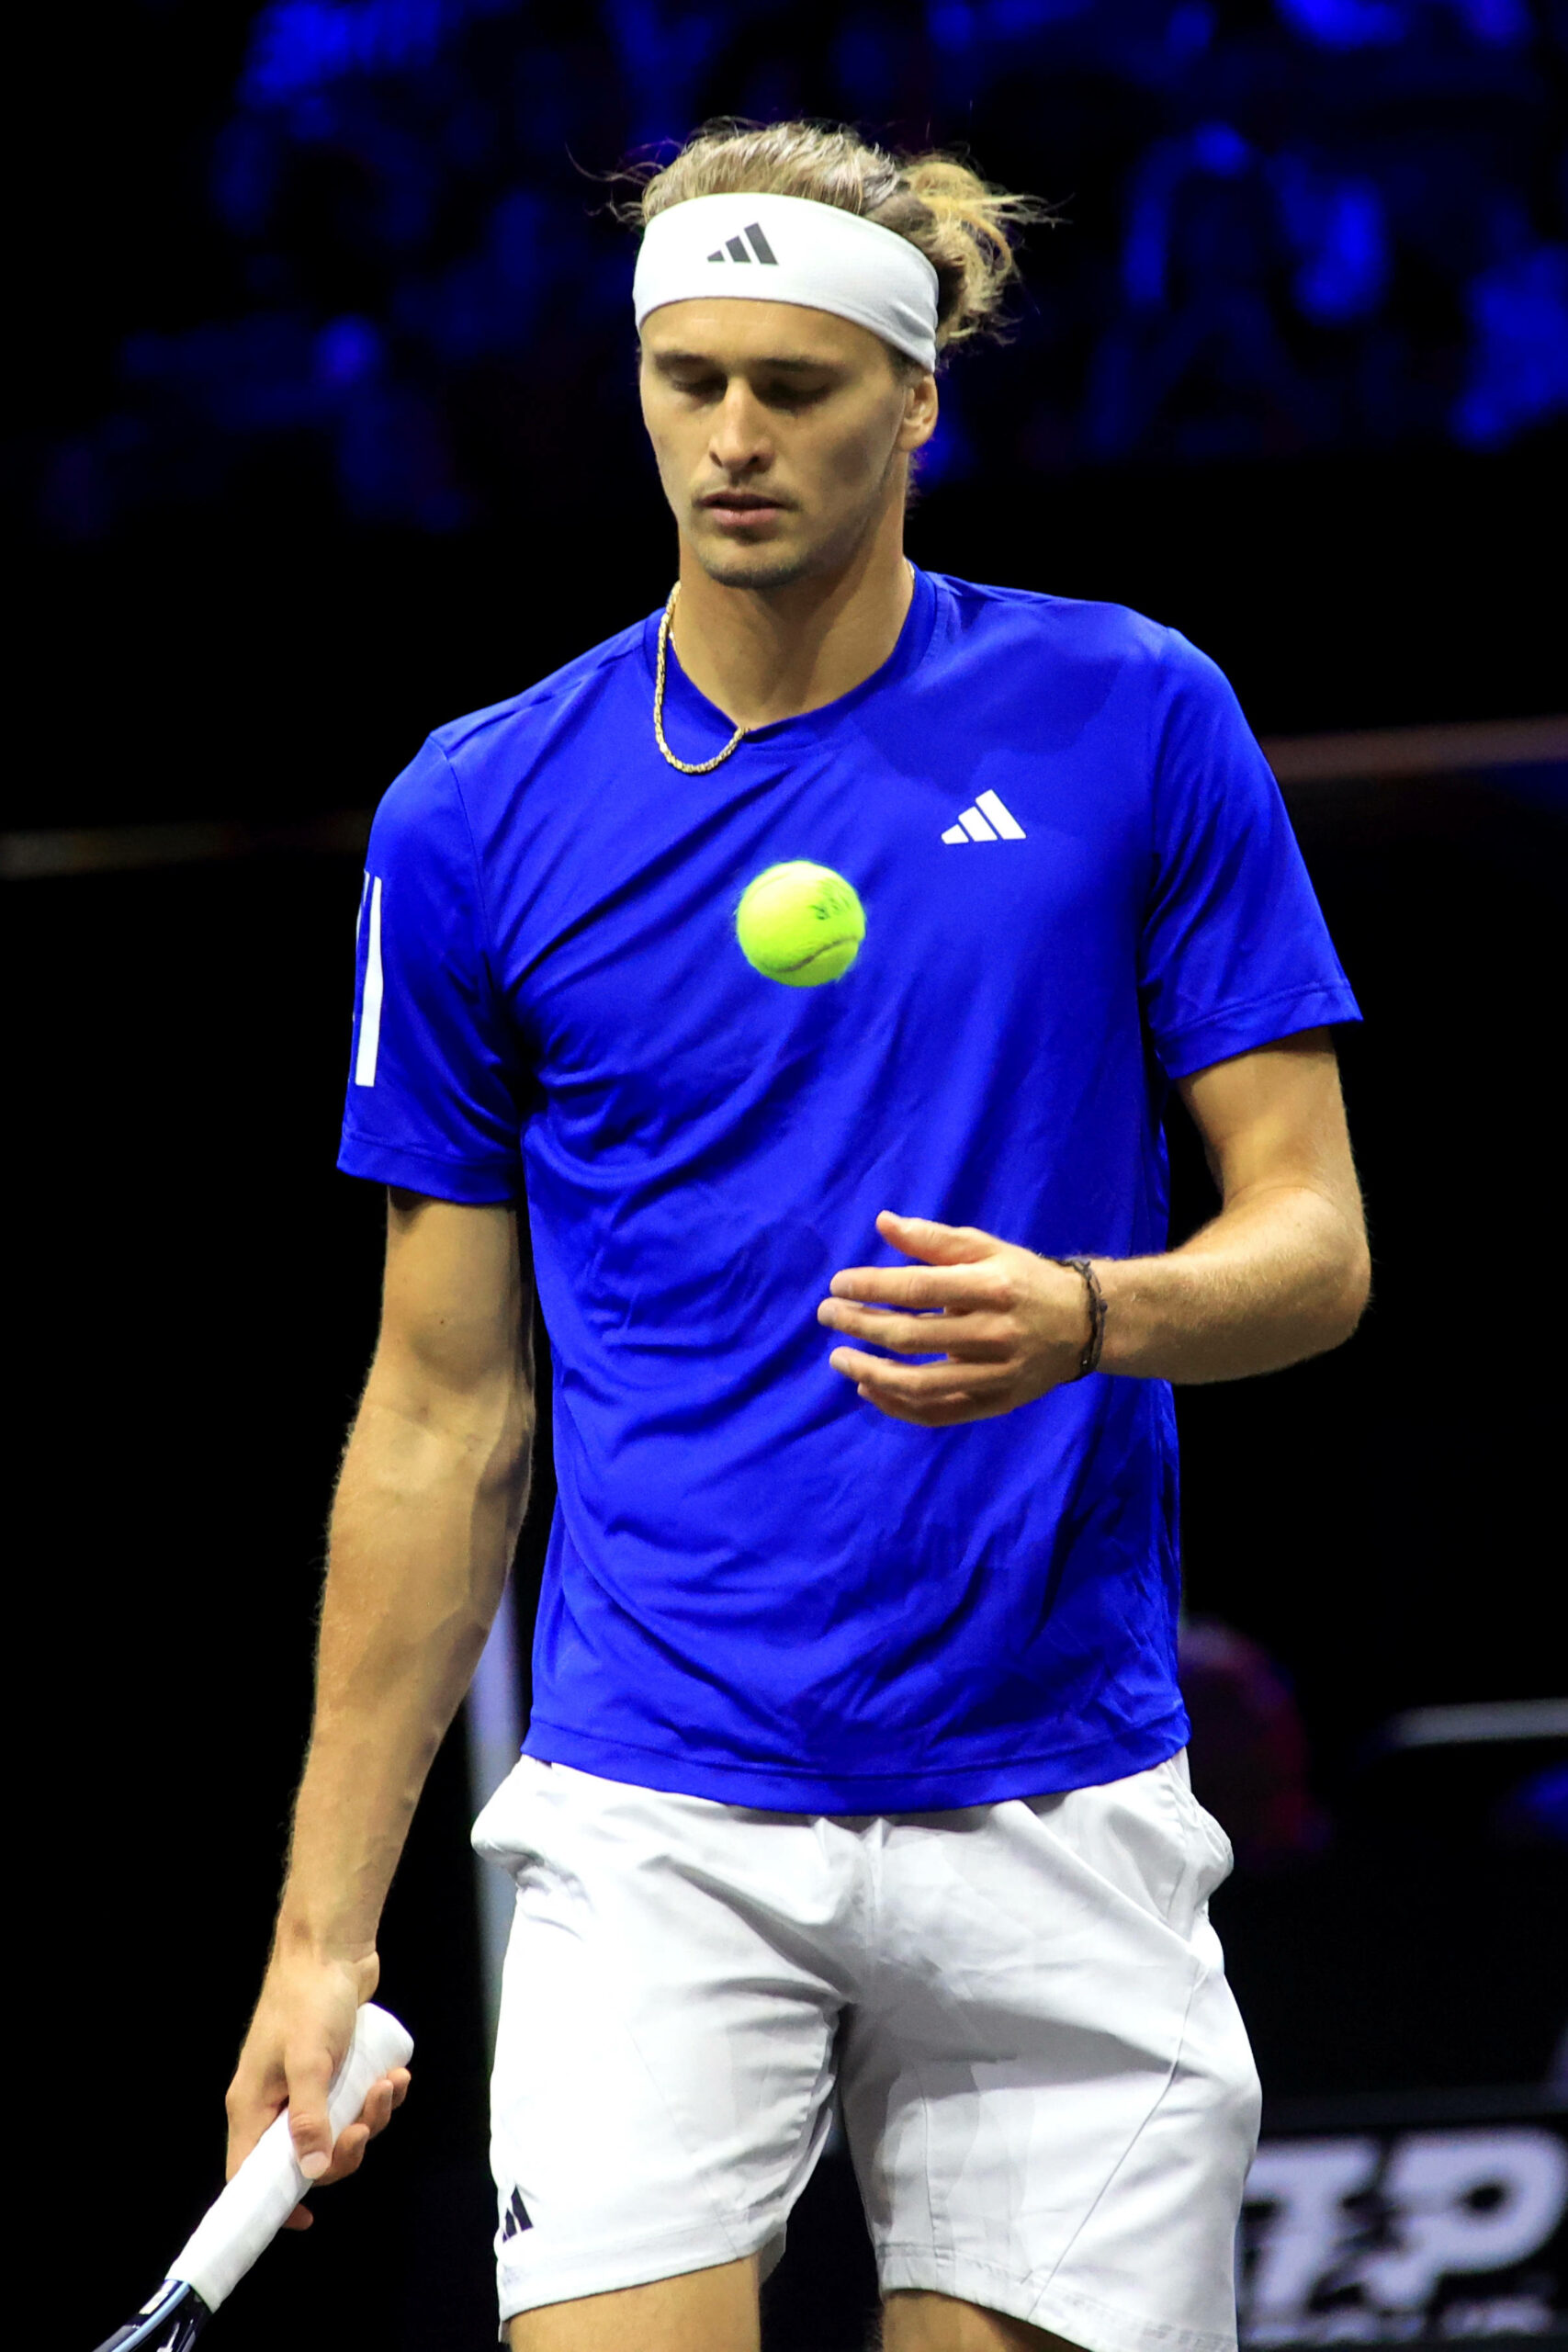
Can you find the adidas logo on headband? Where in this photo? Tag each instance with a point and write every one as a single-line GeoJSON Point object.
{"type": "Point", "coordinates": [734, 248]}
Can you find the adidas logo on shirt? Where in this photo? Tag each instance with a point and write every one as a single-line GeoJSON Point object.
{"type": "Point", "coordinates": [990, 819]}
{"type": "Point", "coordinates": [518, 2217]}
{"type": "Point", "coordinates": [735, 248]}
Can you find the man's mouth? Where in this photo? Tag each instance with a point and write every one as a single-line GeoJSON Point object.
{"type": "Point", "coordinates": [740, 509]}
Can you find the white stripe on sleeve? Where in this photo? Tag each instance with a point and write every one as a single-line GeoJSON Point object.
{"type": "Point", "coordinates": [370, 1004]}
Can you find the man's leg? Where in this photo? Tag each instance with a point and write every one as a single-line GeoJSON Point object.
{"type": "Point", "coordinates": [1053, 2116]}
{"type": "Point", "coordinates": [915, 2318]}
{"type": "Point", "coordinates": [704, 2311]}
{"type": "Point", "coordinates": [663, 2058]}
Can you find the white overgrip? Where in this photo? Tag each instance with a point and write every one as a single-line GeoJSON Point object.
{"type": "Point", "coordinates": [269, 2183]}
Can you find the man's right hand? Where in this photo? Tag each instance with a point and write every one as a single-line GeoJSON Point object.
{"type": "Point", "coordinates": [298, 2038]}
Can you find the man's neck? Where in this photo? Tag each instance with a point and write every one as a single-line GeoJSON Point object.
{"type": "Point", "coordinates": [766, 654]}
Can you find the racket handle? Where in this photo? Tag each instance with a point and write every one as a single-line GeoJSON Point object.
{"type": "Point", "coordinates": [269, 2183]}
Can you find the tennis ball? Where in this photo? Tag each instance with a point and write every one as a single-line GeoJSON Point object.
{"type": "Point", "coordinates": [800, 924]}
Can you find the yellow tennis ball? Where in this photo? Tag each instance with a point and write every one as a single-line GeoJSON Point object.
{"type": "Point", "coordinates": [800, 923]}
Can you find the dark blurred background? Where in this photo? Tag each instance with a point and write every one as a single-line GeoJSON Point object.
{"type": "Point", "coordinates": [323, 429]}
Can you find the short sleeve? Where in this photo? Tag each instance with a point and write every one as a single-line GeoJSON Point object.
{"type": "Point", "coordinates": [1235, 951]}
{"type": "Point", "coordinates": [434, 1082]}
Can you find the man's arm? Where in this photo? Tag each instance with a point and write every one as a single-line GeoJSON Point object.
{"type": "Point", "coordinates": [1283, 1272]}
{"type": "Point", "coordinates": [423, 1526]}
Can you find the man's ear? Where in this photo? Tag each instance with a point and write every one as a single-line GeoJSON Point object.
{"type": "Point", "coordinates": [921, 406]}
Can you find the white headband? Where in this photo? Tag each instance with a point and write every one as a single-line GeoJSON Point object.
{"type": "Point", "coordinates": [790, 249]}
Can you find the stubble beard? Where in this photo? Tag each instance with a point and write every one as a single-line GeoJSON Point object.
{"type": "Point", "coordinates": [765, 568]}
{"type": "Point", "coordinates": [783, 571]}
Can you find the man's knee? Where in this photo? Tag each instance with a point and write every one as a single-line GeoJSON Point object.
{"type": "Point", "coordinates": [701, 2311]}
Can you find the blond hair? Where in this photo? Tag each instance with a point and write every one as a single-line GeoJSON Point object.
{"type": "Point", "coordinates": [967, 229]}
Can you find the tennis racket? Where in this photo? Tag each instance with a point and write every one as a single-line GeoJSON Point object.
{"type": "Point", "coordinates": [257, 2201]}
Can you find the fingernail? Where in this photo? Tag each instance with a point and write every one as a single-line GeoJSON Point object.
{"type": "Point", "coordinates": [314, 2165]}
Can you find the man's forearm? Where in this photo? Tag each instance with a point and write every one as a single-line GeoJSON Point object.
{"type": "Point", "coordinates": [1279, 1275]}
{"type": "Point", "coordinates": [424, 1528]}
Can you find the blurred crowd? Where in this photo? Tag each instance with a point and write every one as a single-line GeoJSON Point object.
{"type": "Point", "coordinates": [1314, 224]}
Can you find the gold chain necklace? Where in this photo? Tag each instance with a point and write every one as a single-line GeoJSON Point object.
{"type": "Point", "coordinates": [687, 767]}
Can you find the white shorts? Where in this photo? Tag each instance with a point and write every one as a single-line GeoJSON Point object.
{"type": "Point", "coordinates": [1046, 2086]}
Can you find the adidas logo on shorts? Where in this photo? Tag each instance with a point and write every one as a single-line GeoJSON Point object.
{"type": "Point", "coordinates": [990, 819]}
{"type": "Point", "coordinates": [749, 245]}
{"type": "Point", "coordinates": [518, 2218]}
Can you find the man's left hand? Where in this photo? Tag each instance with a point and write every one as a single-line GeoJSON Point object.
{"type": "Point", "coordinates": [1009, 1325]}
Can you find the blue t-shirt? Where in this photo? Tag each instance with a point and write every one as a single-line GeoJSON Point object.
{"type": "Point", "coordinates": [1079, 884]}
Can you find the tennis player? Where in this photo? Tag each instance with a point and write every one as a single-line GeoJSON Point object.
{"type": "Point", "coordinates": [856, 1759]}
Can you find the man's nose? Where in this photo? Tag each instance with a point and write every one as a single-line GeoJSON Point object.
{"type": "Point", "coordinates": [739, 433]}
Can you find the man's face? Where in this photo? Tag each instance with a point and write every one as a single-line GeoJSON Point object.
{"type": "Point", "coordinates": [781, 434]}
